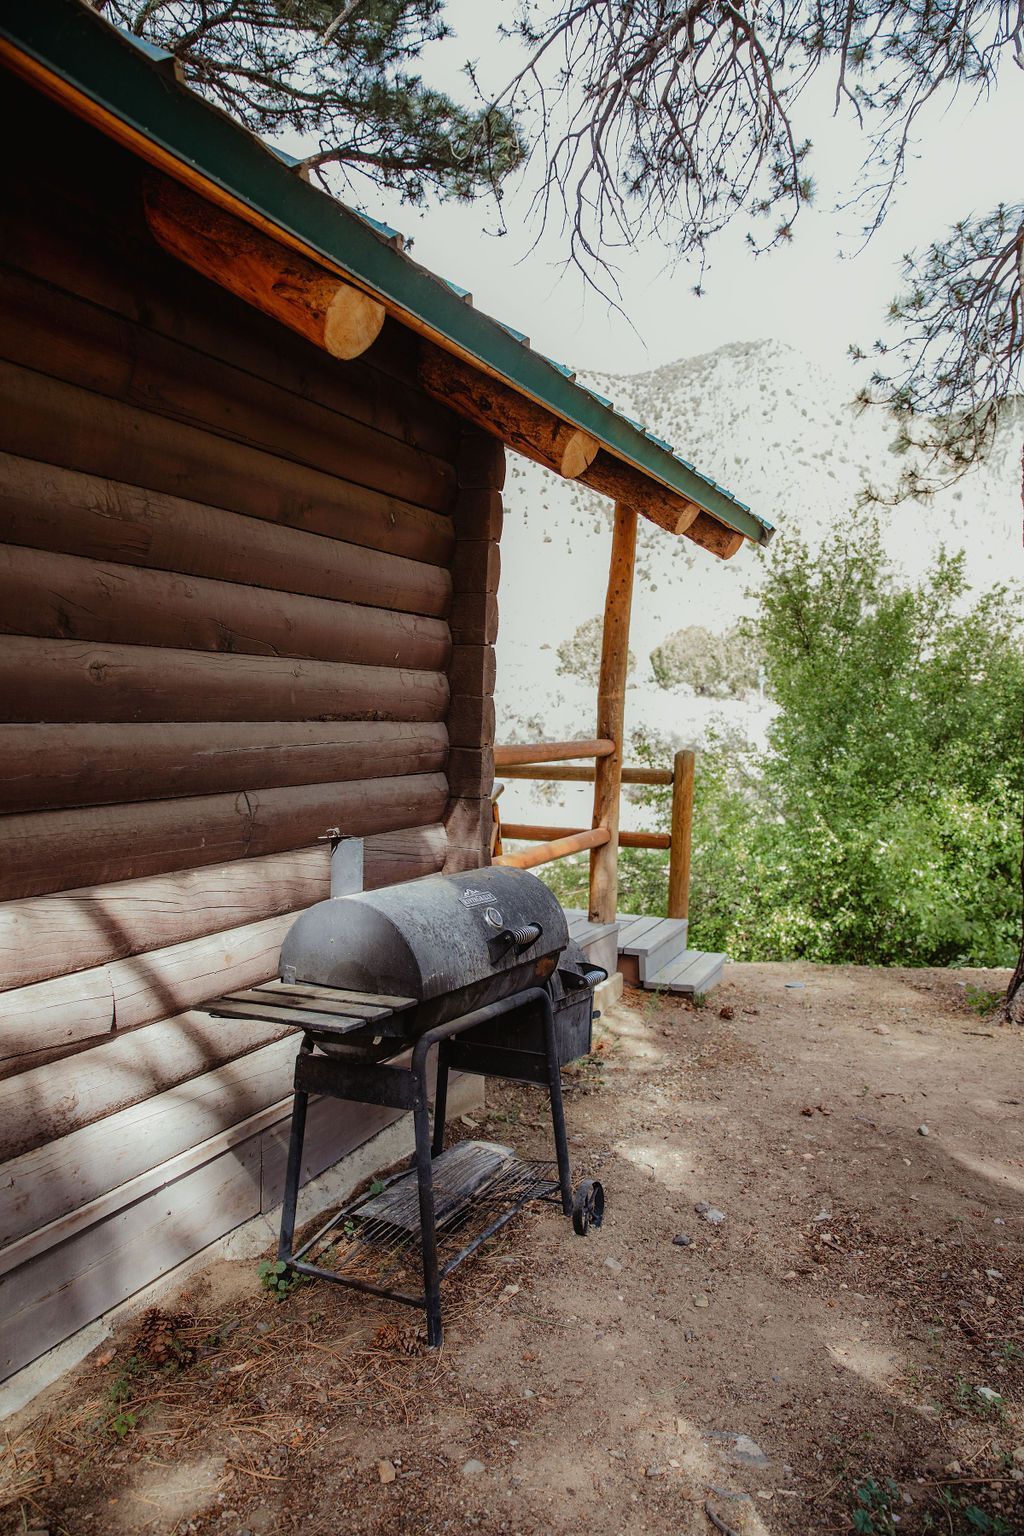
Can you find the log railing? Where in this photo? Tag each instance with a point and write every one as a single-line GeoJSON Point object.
{"type": "Point", "coordinates": [546, 762]}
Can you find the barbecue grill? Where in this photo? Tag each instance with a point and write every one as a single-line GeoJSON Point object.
{"type": "Point", "coordinates": [479, 965]}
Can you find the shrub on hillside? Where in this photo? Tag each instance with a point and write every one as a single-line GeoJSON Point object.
{"type": "Point", "coordinates": [725, 666]}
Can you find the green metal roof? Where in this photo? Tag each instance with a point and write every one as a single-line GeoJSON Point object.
{"type": "Point", "coordinates": [131, 80]}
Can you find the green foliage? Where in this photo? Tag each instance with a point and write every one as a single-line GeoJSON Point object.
{"type": "Point", "coordinates": [882, 826]}
{"type": "Point", "coordinates": [873, 1507]}
{"type": "Point", "coordinates": [888, 825]}
{"type": "Point", "coordinates": [725, 666]}
{"type": "Point", "coordinates": [343, 76]}
{"type": "Point", "coordinates": [580, 655]}
{"type": "Point", "coordinates": [278, 1278]}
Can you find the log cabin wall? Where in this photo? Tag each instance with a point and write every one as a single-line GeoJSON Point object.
{"type": "Point", "coordinates": [230, 574]}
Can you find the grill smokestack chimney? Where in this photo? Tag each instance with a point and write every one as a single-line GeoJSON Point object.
{"type": "Point", "coordinates": [346, 863]}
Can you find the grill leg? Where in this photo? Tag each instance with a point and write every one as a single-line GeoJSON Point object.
{"type": "Point", "coordinates": [557, 1110]}
{"type": "Point", "coordinates": [440, 1099]}
{"type": "Point", "coordinates": [291, 1182]}
{"type": "Point", "coordinates": [425, 1182]}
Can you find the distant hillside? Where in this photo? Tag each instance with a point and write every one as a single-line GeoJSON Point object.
{"type": "Point", "coordinates": [783, 436]}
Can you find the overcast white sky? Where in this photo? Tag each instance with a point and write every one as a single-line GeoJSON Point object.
{"type": "Point", "coordinates": [968, 159]}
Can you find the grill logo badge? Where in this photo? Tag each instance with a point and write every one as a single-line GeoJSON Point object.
{"type": "Point", "coordinates": [471, 898]}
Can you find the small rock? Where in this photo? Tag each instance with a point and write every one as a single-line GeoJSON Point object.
{"type": "Point", "coordinates": [882, 1029]}
{"type": "Point", "coordinates": [655, 1471]}
{"type": "Point", "coordinates": [795, 986]}
{"type": "Point", "coordinates": [1018, 1455]}
{"type": "Point", "coordinates": [790, 1274]}
{"type": "Point", "coordinates": [987, 1395]}
{"type": "Point", "coordinates": [681, 1240]}
{"type": "Point", "coordinates": [386, 1471]}
{"type": "Point", "coordinates": [714, 1215]}
{"type": "Point", "coordinates": [995, 1274]}
{"type": "Point", "coordinates": [701, 1301]}
{"type": "Point", "coordinates": [953, 1469]}
{"type": "Point", "coordinates": [922, 1130]}
{"type": "Point", "coordinates": [612, 1264]}
{"type": "Point", "coordinates": [469, 1122]}
{"type": "Point", "coordinates": [702, 1206]}
{"type": "Point", "coordinates": [748, 1451]}
{"type": "Point", "coordinates": [472, 1467]}
{"type": "Point", "coordinates": [528, 1394]}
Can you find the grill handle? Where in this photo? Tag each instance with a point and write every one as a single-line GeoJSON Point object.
{"type": "Point", "coordinates": [522, 938]}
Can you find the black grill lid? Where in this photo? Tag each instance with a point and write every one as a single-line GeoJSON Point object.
{"type": "Point", "coordinates": [432, 938]}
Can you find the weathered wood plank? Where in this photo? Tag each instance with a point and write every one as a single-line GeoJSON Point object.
{"type": "Point", "coordinates": [113, 999]}
{"type": "Point", "coordinates": [56, 334]}
{"type": "Point", "coordinates": [59, 1097]}
{"type": "Point", "coordinates": [50, 680]}
{"type": "Point", "coordinates": [44, 418]}
{"type": "Point", "coordinates": [62, 596]}
{"type": "Point", "coordinates": [45, 507]}
{"type": "Point", "coordinates": [67, 1286]}
{"type": "Point", "coordinates": [58, 850]}
{"type": "Point", "coordinates": [48, 767]}
{"type": "Point", "coordinates": [63, 1175]}
{"type": "Point", "coordinates": [75, 930]}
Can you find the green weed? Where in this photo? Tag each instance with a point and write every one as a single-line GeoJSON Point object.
{"type": "Point", "coordinates": [278, 1278]}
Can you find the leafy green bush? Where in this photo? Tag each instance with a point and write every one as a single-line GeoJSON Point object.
{"type": "Point", "coordinates": [883, 824]}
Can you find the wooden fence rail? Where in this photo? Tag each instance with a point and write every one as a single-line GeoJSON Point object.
{"type": "Point", "coordinates": [542, 761]}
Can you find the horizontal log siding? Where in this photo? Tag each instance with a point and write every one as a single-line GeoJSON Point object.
{"type": "Point", "coordinates": [52, 767]}
{"type": "Point", "coordinates": [97, 924]}
{"type": "Point", "coordinates": [46, 507]}
{"type": "Point", "coordinates": [70, 680]}
{"type": "Point", "coordinates": [65, 597]}
{"type": "Point", "coordinates": [225, 584]}
{"type": "Point", "coordinates": [91, 845]}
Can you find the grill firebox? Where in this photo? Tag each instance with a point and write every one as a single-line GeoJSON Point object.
{"type": "Point", "coordinates": [480, 966]}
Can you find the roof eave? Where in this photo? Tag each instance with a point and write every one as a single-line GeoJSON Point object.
{"type": "Point", "coordinates": [69, 51]}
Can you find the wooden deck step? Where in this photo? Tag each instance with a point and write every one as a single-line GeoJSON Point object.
{"type": "Point", "coordinates": [649, 943]}
{"type": "Point", "coordinates": [598, 941]}
{"type": "Point", "coordinates": [695, 970]}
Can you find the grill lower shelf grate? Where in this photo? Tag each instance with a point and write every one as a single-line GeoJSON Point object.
{"type": "Point", "coordinates": [374, 1241]}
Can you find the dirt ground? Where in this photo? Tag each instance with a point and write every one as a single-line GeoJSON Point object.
{"type": "Point", "coordinates": [844, 1351]}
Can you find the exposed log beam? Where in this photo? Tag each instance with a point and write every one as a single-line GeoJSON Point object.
{"type": "Point", "coordinates": [288, 287]}
{"type": "Point", "coordinates": [502, 411]}
{"type": "Point", "coordinates": [714, 536]}
{"type": "Point", "coordinates": [537, 433]}
{"type": "Point", "coordinates": [611, 477]}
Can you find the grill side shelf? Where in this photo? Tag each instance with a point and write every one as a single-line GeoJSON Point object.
{"type": "Point", "coordinates": [292, 1018]}
{"type": "Point", "coordinates": [299, 1005]}
{"type": "Point", "coordinates": [337, 995]}
{"type": "Point", "coordinates": [339, 1007]}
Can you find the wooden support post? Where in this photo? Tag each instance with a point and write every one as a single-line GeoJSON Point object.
{"type": "Point", "coordinates": [611, 704]}
{"type": "Point", "coordinates": [682, 834]}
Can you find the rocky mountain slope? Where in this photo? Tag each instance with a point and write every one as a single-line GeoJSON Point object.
{"type": "Point", "coordinates": [784, 436]}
